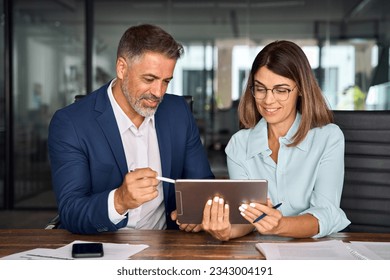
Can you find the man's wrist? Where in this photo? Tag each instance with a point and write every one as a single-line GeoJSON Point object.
{"type": "Point", "coordinates": [118, 199]}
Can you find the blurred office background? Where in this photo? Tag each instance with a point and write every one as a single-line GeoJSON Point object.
{"type": "Point", "coordinates": [53, 50]}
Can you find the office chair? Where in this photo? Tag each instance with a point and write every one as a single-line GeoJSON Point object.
{"type": "Point", "coordinates": [366, 194]}
{"type": "Point", "coordinates": [78, 97]}
{"type": "Point", "coordinates": [55, 222]}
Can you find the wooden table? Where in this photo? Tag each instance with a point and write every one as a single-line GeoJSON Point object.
{"type": "Point", "coordinates": [164, 244]}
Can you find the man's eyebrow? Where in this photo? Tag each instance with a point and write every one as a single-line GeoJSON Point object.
{"type": "Point", "coordinates": [150, 76]}
{"type": "Point", "coordinates": [156, 77]}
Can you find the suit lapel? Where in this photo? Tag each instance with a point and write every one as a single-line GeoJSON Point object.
{"type": "Point", "coordinates": [164, 144]}
{"type": "Point", "coordinates": [109, 127]}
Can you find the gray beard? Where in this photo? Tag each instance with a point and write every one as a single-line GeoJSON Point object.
{"type": "Point", "coordinates": [136, 103]}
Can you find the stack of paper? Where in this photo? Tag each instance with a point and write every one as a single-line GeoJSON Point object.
{"type": "Point", "coordinates": [372, 250]}
{"type": "Point", "coordinates": [325, 250]}
{"type": "Point", "coordinates": [112, 251]}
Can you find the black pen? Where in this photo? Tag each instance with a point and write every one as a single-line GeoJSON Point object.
{"type": "Point", "coordinates": [263, 215]}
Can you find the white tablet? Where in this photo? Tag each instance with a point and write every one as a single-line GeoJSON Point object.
{"type": "Point", "coordinates": [192, 195]}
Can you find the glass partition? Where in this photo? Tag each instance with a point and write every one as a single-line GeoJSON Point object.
{"type": "Point", "coordinates": [49, 71]}
{"type": "Point", "coordinates": [2, 107]}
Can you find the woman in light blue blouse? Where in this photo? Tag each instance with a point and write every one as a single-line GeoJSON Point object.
{"type": "Point", "coordinates": [287, 138]}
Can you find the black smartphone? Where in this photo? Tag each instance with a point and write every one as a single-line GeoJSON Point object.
{"type": "Point", "coordinates": [87, 250]}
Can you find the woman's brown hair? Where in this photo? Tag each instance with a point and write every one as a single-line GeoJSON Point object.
{"type": "Point", "coordinates": [287, 59]}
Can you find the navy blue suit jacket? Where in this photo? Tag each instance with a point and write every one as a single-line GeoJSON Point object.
{"type": "Point", "coordinates": [88, 161]}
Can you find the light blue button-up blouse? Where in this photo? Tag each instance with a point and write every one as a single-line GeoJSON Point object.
{"type": "Point", "coordinates": [308, 178]}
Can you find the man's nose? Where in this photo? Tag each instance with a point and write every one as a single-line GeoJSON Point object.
{"type": "Point", "coordinates": [158, 89]}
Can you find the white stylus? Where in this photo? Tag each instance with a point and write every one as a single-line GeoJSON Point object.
{"type": "Point", "coordinates": [166, 179]}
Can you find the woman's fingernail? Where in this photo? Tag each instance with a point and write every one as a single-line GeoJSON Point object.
{"type": "Point", "coordinates": [244, 206]}
{"type": "Point", "coordinates": [242, 214]}
{"type": "Point", "coordinates": [252, 205]}
{"type": "Point", "coordinates": [221, 201]}
{"type": "Point", "coordinates": [216, 199]}
{"type": "Point", "coordinates": [241, 209]}
{"type": "Point", "coordinates": [209, 202]}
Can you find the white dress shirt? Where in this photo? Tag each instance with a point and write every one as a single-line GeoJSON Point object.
{"type": "Point", "coordinates": [141, 150]}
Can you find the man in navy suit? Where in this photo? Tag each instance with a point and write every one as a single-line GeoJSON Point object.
{"type": "Point", "coordinates": [107, 149]}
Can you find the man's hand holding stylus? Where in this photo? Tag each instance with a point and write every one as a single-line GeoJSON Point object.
{"type": "Point", "coordinates": [139, 186]}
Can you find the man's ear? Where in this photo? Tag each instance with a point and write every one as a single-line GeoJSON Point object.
{"type": "Point", "coordinates": [121, 68]}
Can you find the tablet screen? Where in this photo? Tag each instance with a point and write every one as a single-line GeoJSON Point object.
{"type": "Point", "coordinates": [192, 195]}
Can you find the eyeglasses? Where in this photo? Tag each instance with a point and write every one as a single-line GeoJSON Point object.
{"type": "Point", "coordinates": [279, 93]}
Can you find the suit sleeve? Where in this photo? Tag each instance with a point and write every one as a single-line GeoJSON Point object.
{"type": "Point", "coordinates": [82, 209]}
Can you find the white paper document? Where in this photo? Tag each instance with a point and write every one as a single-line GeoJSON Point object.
{"type": "Point", "coordinates": [112, 251]}
{"type": "Point", "coordinates": [319, 250]}
{"type": "Point", "coordinates": [372, 250]}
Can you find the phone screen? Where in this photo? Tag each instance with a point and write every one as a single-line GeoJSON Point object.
{"type": "Point", "coordinates": [87, 250]}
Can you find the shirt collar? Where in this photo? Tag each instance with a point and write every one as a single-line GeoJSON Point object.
{"type": "Point", "coordinates": [123, 121]}
{"type": "Point", "coordinates": [258, 138]}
